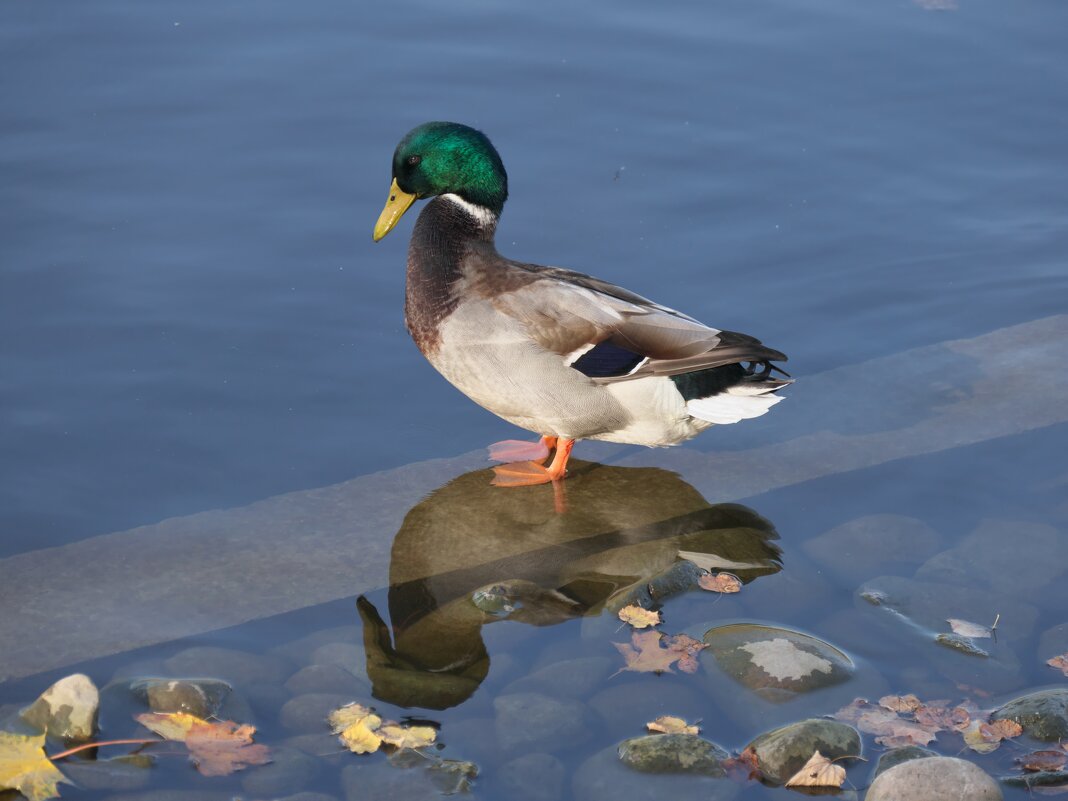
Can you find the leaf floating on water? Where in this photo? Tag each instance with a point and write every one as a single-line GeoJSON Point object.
{"type": "Point", "coordinates": [986, 737]}
{"type": "Point", "coordinates": [169, 725]}
{"type": "Point", "coordinates": [643, 653]}
{"type": "Point", "coordinates": [966, 628]}
{"type": "Point", "coordinates": [668, 724]}
{"type": "Point", "coordinates": [1060, 663]}
{"type": "Point", "coordinates": [720, 582]}
{"type": "Point", "coordinates": [638, 617]}
{"type": "Point", "coordinates": [355, 725]}
{"type": "Point", "coordinates": [1043, 760]}
{"type": "Point", "coordinates": [407, 736]}
{"type": "Point", "coordinates": [900, 703]}
{"type": "Point", "coordinates": [219, 749]}
{"type": "Point", "coordinates": [25, 767]}
{"type": "Point", "coordinates": [891, 729]}
{"type": "Point", "coordinates": [743, 767]}
{"type": "Point", "coordinates": [940, 718]}
{"type": "Point", "coordinates": [818, 772]}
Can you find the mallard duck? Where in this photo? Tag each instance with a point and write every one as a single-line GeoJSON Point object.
{"type": "Point", "coordinates": [553, 351]}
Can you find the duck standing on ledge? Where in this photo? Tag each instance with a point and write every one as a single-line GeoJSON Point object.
{"type": "Point", "coordinates": [556, 352]}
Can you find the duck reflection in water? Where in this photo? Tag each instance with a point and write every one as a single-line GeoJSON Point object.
{"type": "Point", "coordinates": [468, 555]}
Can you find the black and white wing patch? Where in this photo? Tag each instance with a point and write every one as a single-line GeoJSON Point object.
{"type": "Point", "coordinates": [605, 360]}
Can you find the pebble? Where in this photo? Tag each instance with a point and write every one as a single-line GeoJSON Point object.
{"type": "Point", "coordinates": [289, 771]}
{"type": "Point", "coordinates": [783, 752]}
{"type": "Point", "coordinates": [896, 756]}
{"type": "Point", "coordinates": [532, 777]}
{"type": "Point", "coordinates": [67, 710]}
{"type": "Point", "coordinates": [308, 712]}
{"type": "Point", "coordinates": [603, 777]}
{"type": "Point", "coordinates": [874, 545]}
{"type": "Point", "coordinates": [934, 779]}
{"type": "Point", "coordinates": [574, 678]}
{"type": "Point", "coordinates": [536, 722]}
{"type": "Point", "coordinates": [321, 678]}
{"type": "Point", "coordinates": [1043, 714]}
{"type": "Point", "coordinates": [237, 667]}
{"type": "Point", "coordinates": [673, 753]}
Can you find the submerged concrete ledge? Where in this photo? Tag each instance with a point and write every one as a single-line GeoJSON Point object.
{"type": "Point", "coordinates": [194, 574]}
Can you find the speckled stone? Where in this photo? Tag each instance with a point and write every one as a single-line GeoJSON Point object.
{"type": "Point", "coordinates": [934, 779]}
{"type": "Point", "coordinates": [673, 753]}
{"type": "Point", "coordinates": [1043, 715]}
{"type": "Point", "coordinates": [783, 752]}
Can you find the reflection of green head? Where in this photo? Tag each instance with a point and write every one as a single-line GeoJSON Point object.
{"type": "Point", "coordinates": [441, 157]}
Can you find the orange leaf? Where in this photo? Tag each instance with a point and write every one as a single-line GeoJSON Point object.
{"type": "Point", "coordinates": [643, 653]}
{"type": "Point", "coordinates": [219, 749]}
{"type": "Point", "coordinates": [743, 767]}
{"type": "Point", "coordinates": [720, 582]}
{"type": "Point", "coordinates": [1043, 760]}
{"type": "Point", "coordinates": [900, 703]}
{"type": "Point", "coordinates": [1060, 663]}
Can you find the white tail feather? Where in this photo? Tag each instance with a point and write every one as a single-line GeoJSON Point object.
{"type": "Point", "coordinates": [733, 405]}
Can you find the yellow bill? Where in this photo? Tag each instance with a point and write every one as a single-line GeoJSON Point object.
{"type": "Point", "coordinates": [398, 203]}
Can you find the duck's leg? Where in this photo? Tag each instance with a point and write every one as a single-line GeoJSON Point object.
{"type": "Point", "coordinates": [524, 474]}
{"type": "Point", "coordinates": [514, 450]}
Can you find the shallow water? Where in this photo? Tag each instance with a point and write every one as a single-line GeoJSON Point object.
{"type": "Point", "coordinates": [193, 315]}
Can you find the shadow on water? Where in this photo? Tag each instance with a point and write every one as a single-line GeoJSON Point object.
{"type": "Point", "coordinates": [472, 554]}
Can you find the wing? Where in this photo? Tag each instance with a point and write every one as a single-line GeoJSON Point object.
{"type": "Point", "coordinates": [612, 334]}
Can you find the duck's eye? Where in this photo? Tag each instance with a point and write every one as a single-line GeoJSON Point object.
{"type": "Point", "coordinates": [413, 160]}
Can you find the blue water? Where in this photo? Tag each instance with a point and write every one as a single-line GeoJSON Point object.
{"type": "Point", "coordinates": [192, 312]}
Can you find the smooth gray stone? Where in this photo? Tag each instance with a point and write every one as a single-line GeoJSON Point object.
{"type": "Point", "coordinates": [775, 663]}
{"type": "Point", "coordinates": [531, 777]}
{"type": "Point", "coordinates": [299, 651]}
{"type": "Point", "coordinates": [873, 545]}
{"type": "Point", "coordinates": [673, 753]}
{"type": "Point", "coordinates": [344, 655]}
{"type": "Point", "coordinates": [604, 777]}
{"type": "Point", "coordinates": [327, 679]}
{"type": "Point", "coordinates": [783, 752]}
{"type": "Point", "coordinates": [1021, 560]}
{"type": "Point", "coordinates": [308, 713]}
{"type": "Point", "coordinates": [305, 548]}
{"type": "Point", "coordinates": [108, 774]}
{"type": "Point", "coordinates": [934, 779]}
{"type": "Point", "coordinates": [67, 710]}
{"type": "Point", "coordinates": [200, 697]}
{"type": "Point", "coordinates": [1053, 642]}
{"type": "Point", "coordinates": [536, 722]}
{"type": "Point", "coordinates": [289, 771]}
{"type": "Point", "coordinates": [229, 664]}
{"type": "Point", "coordinates": [896, 756]}
{"type": "Point", "coordinates": [574, 678]}
{"type": "Point", "coordinates": [1043, 714]}
{"type": "Point", "coordinates": [379, 780]}
{"type": "Point", "coordinates": [629, 705]}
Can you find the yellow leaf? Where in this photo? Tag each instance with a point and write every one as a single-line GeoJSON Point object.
{"type": "Point", "coordinates": [720, 582]}
{"type": "Point", "coordinates": [818, 772]}
{"type": "Point", "coordinates": [672, 725]}
{"type": "Point", "coordinates": [407, 736]}
{"type": "Point", "coordinates": [169, 725]}
{"type": "Point", "coordinates": [25, 767]}
{"type": "Point", "coordinates": [638, 617]}
{"type": "Point", "coordinates": [355, 725]}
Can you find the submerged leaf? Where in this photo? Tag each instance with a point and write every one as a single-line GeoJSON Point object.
{"type": "Point", "coordinates": [900, 703]}
{"type": "Point", "coordinates": [720, 582]}
{"type": "Point", "coordinates": [668, 724]}
{"type": "Point", "coordinates": [986, 737]}
{"type": "Point", "coordinates": [1043, 760]}
{"type": "Point", "coordinates": [643, 653]}
{"type": "Point", "coordinates": [169, 725]}
{"type": "Point", "coordinates": [639, 618]}
{"type": "Point", "coordinates": [818, 772]}
{"type": "Point", "coordinates": [1060, 663]}
{"type": "Point", "coordinates": [219, 749]}
{"type": "Point", "coordinates": [25, 767]}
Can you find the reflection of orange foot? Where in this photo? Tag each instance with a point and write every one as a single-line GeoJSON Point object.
{"type": "Point", "coordinates": [525, 474]}
{"type": "Point", "coordinates": [514, 450]}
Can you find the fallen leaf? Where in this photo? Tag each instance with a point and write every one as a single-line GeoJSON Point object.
{"type": "Point", "coordinates": [1060, 663]}
{"type": "Point", "coordinates": [966, 628]}
{"type": "Point", "coordinates": [1043, 760]}
{"type": "Point", "coordinates": [743, 767]}
{"type": "Point", "coordinates": [818, 772]}
{"type": "Point", "coordinates": [986, 737]}
{"type": "Point", "coordinates": [355, 726]}
{"type": "Point", "coordinates": [639, 618]}
{"type": "Point", "coordinates": [900, 703]}
{"type": "Point", "coordinates": [720, 582]}
{"type": "Point", "coordinates": [940, 718]}
{"type": "Point", "coordinates": [974, 739]}
{"type": "Point", "coordinates": [643, 653]}
{"type": "Point", "coordinates": [891, 729]}
{"type": "Point", "coordinates": [219, 749]}
{"type": "Point", "coordinates": [407, 736]}
{"type": "Point", "coordinates": [1001, 729]}
{"type": "Point", "coordinates": [25, 767]}
{"type": "Point", "coordinates": [169, 725]}
{"type": "Point", "coordinates": [672, 725]}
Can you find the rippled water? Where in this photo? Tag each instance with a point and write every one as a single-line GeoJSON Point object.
{"type": "Point", "coordinates": [193, 315]}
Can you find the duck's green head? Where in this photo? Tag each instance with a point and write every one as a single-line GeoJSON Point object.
{"type": "Point", "coordinates": [444, 157]}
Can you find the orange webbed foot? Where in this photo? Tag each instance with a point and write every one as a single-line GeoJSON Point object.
{"type": "Point", "coordinates": [529, 473]}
